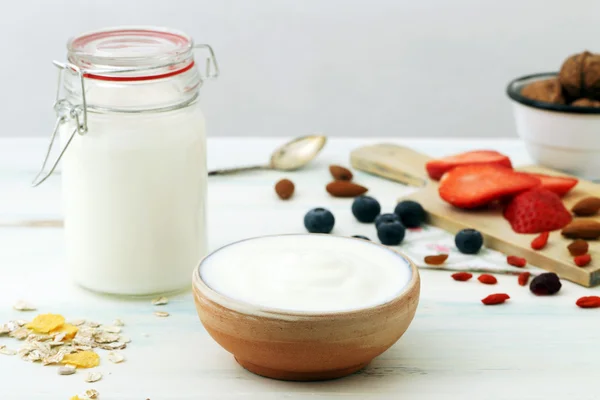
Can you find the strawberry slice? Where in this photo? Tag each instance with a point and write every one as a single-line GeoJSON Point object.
{"type": "Point", "coordinates": [437, 168]}
{"type": "Point", "coordinates": [472, 186]}
{"type": "Point", "coordinates": [537, 210]}
{"type": "Point", "coordinates": [560, 185]}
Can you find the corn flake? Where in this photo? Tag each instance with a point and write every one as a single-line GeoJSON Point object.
{"type": "Point", "coordinates": [82, 359]}
{"type": "Point", "coordinates": [44, 323]}
{"type": "Point", "coordinates": [69, 331]}
{"type": "Point", "coordinates": [75, 398]}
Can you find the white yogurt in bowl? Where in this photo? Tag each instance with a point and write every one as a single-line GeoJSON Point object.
{"type": "Point", "coordinates": [307, 273]}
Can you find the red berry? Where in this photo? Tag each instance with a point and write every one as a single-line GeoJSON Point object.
{"type": "Point", "coordinates": [516, 261]}
{"type": "Point", "coordinates": [588, 302]}
{"type": "Point", "coordinates": [437, 168]}
{"type": "Point", "coordinates": [540, 241]}
{"type": "Point", "coordinates": [461, 276]}
{"type": "Point", "coordinates": [583, 260]}
{"type": "Point", "coordinates": [523, 278]}
{"type": "Point", "coordinates": [487, 279]}
{"type": "Point", "coordinates": [537, 210]}
{"type": "Point", "coordinates": [472, 186]}
{"type": "Point", "coordinates": [497, 298]}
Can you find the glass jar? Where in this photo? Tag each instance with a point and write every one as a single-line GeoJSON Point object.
{"type": "Point", "coordinates": [133, 159]}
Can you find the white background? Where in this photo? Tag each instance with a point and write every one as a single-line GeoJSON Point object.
{"type": "Point", "coordinates": [341, 67]}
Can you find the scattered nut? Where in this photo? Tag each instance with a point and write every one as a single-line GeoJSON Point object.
{"type": "Point", "coordinates": [582, 229]}
{"type": "Point", "coordinates": [67, 370]}
{"type": "Point", "coordinates": [284, 189]}
{"type": "Point", "coordinates": [578, 247]}
{"type": "Point", "coordinates": [345, 189]}
{"type": "Point", "coordinates": [586, 207]}
{"type": "Point", "coordinates": [340, 173]}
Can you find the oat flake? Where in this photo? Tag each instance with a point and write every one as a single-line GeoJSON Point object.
{"type": "Point", "coordinates": [160, 301]}
{"type": "Point", "coordinates": [91, 377]}
{"type": "Point", "coordinates": [124, 339]}
{"type": "Point", "coordinates": [161, 314]}
{"type": "Point", "coordinates": [7, 352]}
{"type": "Point", "coordinates": [115, 357]}
{"type": "Point", "coordinates": [24, 306]}
{"type": "Point", "coordinates": [110, 329]}
{"type": "Point", "coordinates": [77, 322]}
{"type": "Point", "coordinates": [92, 394]}
{"type": "Point", "coordinates": [118, 322]}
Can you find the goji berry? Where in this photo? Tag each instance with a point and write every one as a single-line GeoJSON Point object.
{"type": "Point", "coordinates": [516, 261]}
{"type": "Point", "coordinates": [588, 302]}
{"type": "Point", "coordinates": [461, 276]}
{"type": "Point", "coordinates": [583, 260]}
{"type": "Point", "coordinates": [487, 279]}
{"type": "Point", "coordinates": [436, 260]}
{"type": "Point", "coordinates": [545, 284]}
{"type": "Point", "coordinates": [524, 278]}
{"type": "Point", "coordinates": [540, 242]}
{"type": "Point", "coordinates": [497, 298]}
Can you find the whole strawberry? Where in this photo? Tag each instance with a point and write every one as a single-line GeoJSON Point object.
{"type": "Point", "coordinates": [537, 210]}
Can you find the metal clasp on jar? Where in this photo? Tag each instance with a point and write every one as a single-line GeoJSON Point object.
{"type": "Point", "coordinates": [79, 112]}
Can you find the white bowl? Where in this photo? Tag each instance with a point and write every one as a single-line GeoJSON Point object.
{"type": "Point", "coordinates": [557, 136]}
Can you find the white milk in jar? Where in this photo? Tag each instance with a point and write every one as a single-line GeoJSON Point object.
{"type": "Point", "coordinates": [134, 169]}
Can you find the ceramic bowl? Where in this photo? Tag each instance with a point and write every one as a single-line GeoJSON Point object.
{"type": "Point", "coordinates": [557, 136]}
{"type": "Point", "coordinates": [303, 346]}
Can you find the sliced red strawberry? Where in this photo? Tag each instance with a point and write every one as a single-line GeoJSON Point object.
{"type": "Point", "coordinates": [560, 185]}
{"type": "Point", "coordinates": [437, 168]}
{"type": "Point", "coordinates": [472, 186]}
{"type": "Point", "coordinates": [537, 210]}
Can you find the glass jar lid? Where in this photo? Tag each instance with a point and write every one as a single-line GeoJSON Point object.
{"type": "Point", "coordinates": [131, 53]}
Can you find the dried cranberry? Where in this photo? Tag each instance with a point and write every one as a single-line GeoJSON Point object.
{"type": "Point", "coordinates": [545, 284]}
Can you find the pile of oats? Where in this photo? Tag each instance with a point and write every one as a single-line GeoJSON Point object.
{"type": "Point", "coordinates": [50, 340]}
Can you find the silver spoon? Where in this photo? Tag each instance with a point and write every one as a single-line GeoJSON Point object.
{"type": "Point", "coordinates": [291, 156]}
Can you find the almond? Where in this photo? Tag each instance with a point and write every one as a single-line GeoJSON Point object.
{"type": "Point", "coordinates": [586, 207]}
{"type": "Point", "coordinates": [345, 189]}
{"type": "Point", "coordinates": [578, 247]}
{"type": "Point", "coordinates": [436, 260]}
{"type": "Point", "coordinates": [284, 189]}
{"type": "Point", "coordinates": [582, 229]}
{"type": "Point", "coordinates": [340, 173]}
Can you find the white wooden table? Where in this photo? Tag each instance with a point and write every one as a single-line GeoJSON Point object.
{"type": "Point", "coordinates": [530, 348]}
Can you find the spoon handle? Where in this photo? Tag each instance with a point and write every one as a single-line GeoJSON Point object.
{"type": "Point", "coordinates": [231, 171]}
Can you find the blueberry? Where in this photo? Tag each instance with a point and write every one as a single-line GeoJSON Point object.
{"type": "Point", "coordinates": [390, 233]}
{"type": "Point", "coordinates": [365, 208]}
{"type": "Point", "coordinates": [386, 218]}
{"type": "Point", "coordinates": [319, 220]}
{"type": "Point", "coordinates": [411, 213]}
{"type": "Point", "coordinates": [361, 237]}
{"type": "Point", "coordinates": [468, 241]}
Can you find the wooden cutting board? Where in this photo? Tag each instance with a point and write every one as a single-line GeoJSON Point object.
{"type": "Point", "coordinates": [407, 166]}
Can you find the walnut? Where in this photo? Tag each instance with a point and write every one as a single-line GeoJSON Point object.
{"type": "Point", "coordinates": [548, 90]}
{"type": "Point", "coordinates": [586, 103]}
{"type": "Point", "coordinates": [580, 76]}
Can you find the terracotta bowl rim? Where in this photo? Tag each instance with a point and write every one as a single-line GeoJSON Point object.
{"type": "Point", "coordinates": [201, 288]}
{"type": "Point", "coordinates": [513, 91]}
